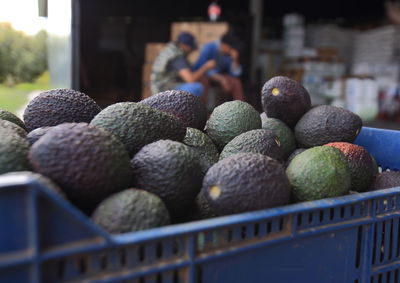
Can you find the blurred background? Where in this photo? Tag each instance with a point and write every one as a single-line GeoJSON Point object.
{"type": "Point", "coordinates": [346, 53]}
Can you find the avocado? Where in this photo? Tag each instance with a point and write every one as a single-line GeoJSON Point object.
{"type": "Point", "coordinates": [57, 106]}
{"type": "Point", "coordinates": [137, 125]}
{"type": "Point", "coordinates": [375, 168]}
{"type": "Point", "coordinates": [285, 99]}
{"type": "Point", "coordinates": [203, 146]}
{"type": "Point", "coordinates": [170, 170]}
{"type": "Point", "coordinates": [88, 163]}
{"type": "Point", "coordinates": [34, 135]}
{"type": "Point", "coordinates": [6, 125]}
{"type": "Point", "coordinates": [13, 151]}
{"type": "Point", "coordinates": [201, 209]}
{"type": "Point", "coordinates": [245, 182]}
{"type": "Point", "coordinates": [6, 115]}
{"type": "Point", "coordinates": [231, 119]}
{"type": "Point", "coordinates": [45, 182]}
{"type": "Point", "coordinates": [325, 124]}
{"type": "Point", "coordinates": [386, 180]}
{"type": "Point", "coordinates": [131, 210]}
{"type": "Point", "coordinates": [319, 172]}
{"type": "Point", "coordinates": [182, 104]}
{"type": "Point", "coordinates": [294, 154]}
{"type": "Point", "coordinates": [360, 163]}
{"type": "Point", "coordinates": [283, 132]}
{"type": "Point", "coordinates": [255, 141]}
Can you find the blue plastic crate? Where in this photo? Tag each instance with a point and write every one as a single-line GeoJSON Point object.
{"type": "Point", "coordinates": [353, 239]}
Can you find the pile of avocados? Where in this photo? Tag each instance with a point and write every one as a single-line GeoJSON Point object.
{"type": "Point", "coordinates": [134, 166]}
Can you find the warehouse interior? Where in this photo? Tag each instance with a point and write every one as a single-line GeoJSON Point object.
{"type": "Point", "coordinates": [345, 53]}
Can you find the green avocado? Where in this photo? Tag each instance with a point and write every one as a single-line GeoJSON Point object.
{"type": "Point", "coordinates": [255, 141]}
{"type": "Point", "coordinates": [325, 124]}
{"type": "Point", "coordinates": [283, 132]}
{"type": "Point", "coordinates": [6, 115]}
{"type": "Point", "coordinates": [285, 99]}
{"type": "Point", "coordinates": [57, 106]}
{"type": "Point", "coordinates": [13, 151]}
{"type": "Point", "coordinates": [6, 126]}
{"type": "Point", "coordinates": [319, 172]}
{"type": "Point", "coordinates": [245, 182]}
{"type": "Point", "coordinates": [294, 154]}
{"type": "Point", "coordinates": [231, 119]}
{"type": "Point", "coordinates": [137, 125]}
{"type": "Point", "coordinates": [131, 210]}
{"type": "Point", "coordinates": [203, 146]}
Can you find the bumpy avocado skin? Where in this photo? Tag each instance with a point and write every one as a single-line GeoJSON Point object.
{"type": "Point", "coordinates": [285, 99]}
{"type": "Point", "coordinates": [325, 124]}
{"type": "Point", "coordinates": [385, 180]}
{"type": "Point", "coordinates": [201, 209]}
{"type": "Point", "coordinates": [245, 182]}
{"type": "Point", "coordinates": [203, 146]}
{"type": "Point", "coordinates": [13, 152]}
{"type": "Point", "coordinates": [255, 141]}
{"type": "Point", "coordinates": [7, 115]}
{"type": "Point", "coordinates": [36, 134]}
{"type": "Point", "coordinates": [131, 210]}
{"type": "Point", "coordinates": [137, 125]}
{"type": "Point", "coordinates": [170, 170]}
{"type": "Point", "coordinates": [294, 154]}
{"type": "Point", "coordinates": [360, 163]}
{"type": "Point", "coordinates": [88, 163]}
{"type": "Point", "coordinates": [6, 125]}
{"type": "Point", "coordinates": [319, 172]}
{"type": "Point", "coordinates": [182, 104]}
{"type": "Point", "coordinates": [231, 119]}
{"type": "Point", "coordinates": [57, 106]}
{"type": "Point", "coordinates": [283, 132]}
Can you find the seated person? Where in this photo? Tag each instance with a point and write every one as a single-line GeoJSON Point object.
{"type": "Point", "coordinates": [171, 69]}
{"type": "Point", "coordinates": [225, 52]}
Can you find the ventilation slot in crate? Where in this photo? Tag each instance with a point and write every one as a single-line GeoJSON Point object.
{"type": "Point", "coordinates": [387, 205]}
{"type": "Point", "coordinates": [392, 276]}
{"type": "Point", "coordinates": [242, 234]}
{"type": "Point", "coordinates": [331, 215]}
{"type": "Point", "coordinates": [123, 258]}
{"type": "Point", "coordinates": [386, 242]}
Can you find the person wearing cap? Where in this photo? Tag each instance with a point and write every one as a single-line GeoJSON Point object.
{"type": "Point", "coordinates": [171, 69]}
{"type": "Point", "coordinates": [227, 71]}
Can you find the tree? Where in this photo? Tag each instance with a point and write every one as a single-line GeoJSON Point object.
{"type": "Point", "coordinates": [22, 58]}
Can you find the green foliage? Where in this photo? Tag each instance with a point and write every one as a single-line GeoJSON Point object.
{"type": "Point", "coordinates": [22, 58]}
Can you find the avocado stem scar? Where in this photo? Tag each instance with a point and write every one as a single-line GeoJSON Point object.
{"type": "Point", "coordinates": [214, 192]}
{"type": "Point", "coordinates": [275, 91]}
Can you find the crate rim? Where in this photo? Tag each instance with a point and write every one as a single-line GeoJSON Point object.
{"type": "Point", "coordinates": [10, 182]}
